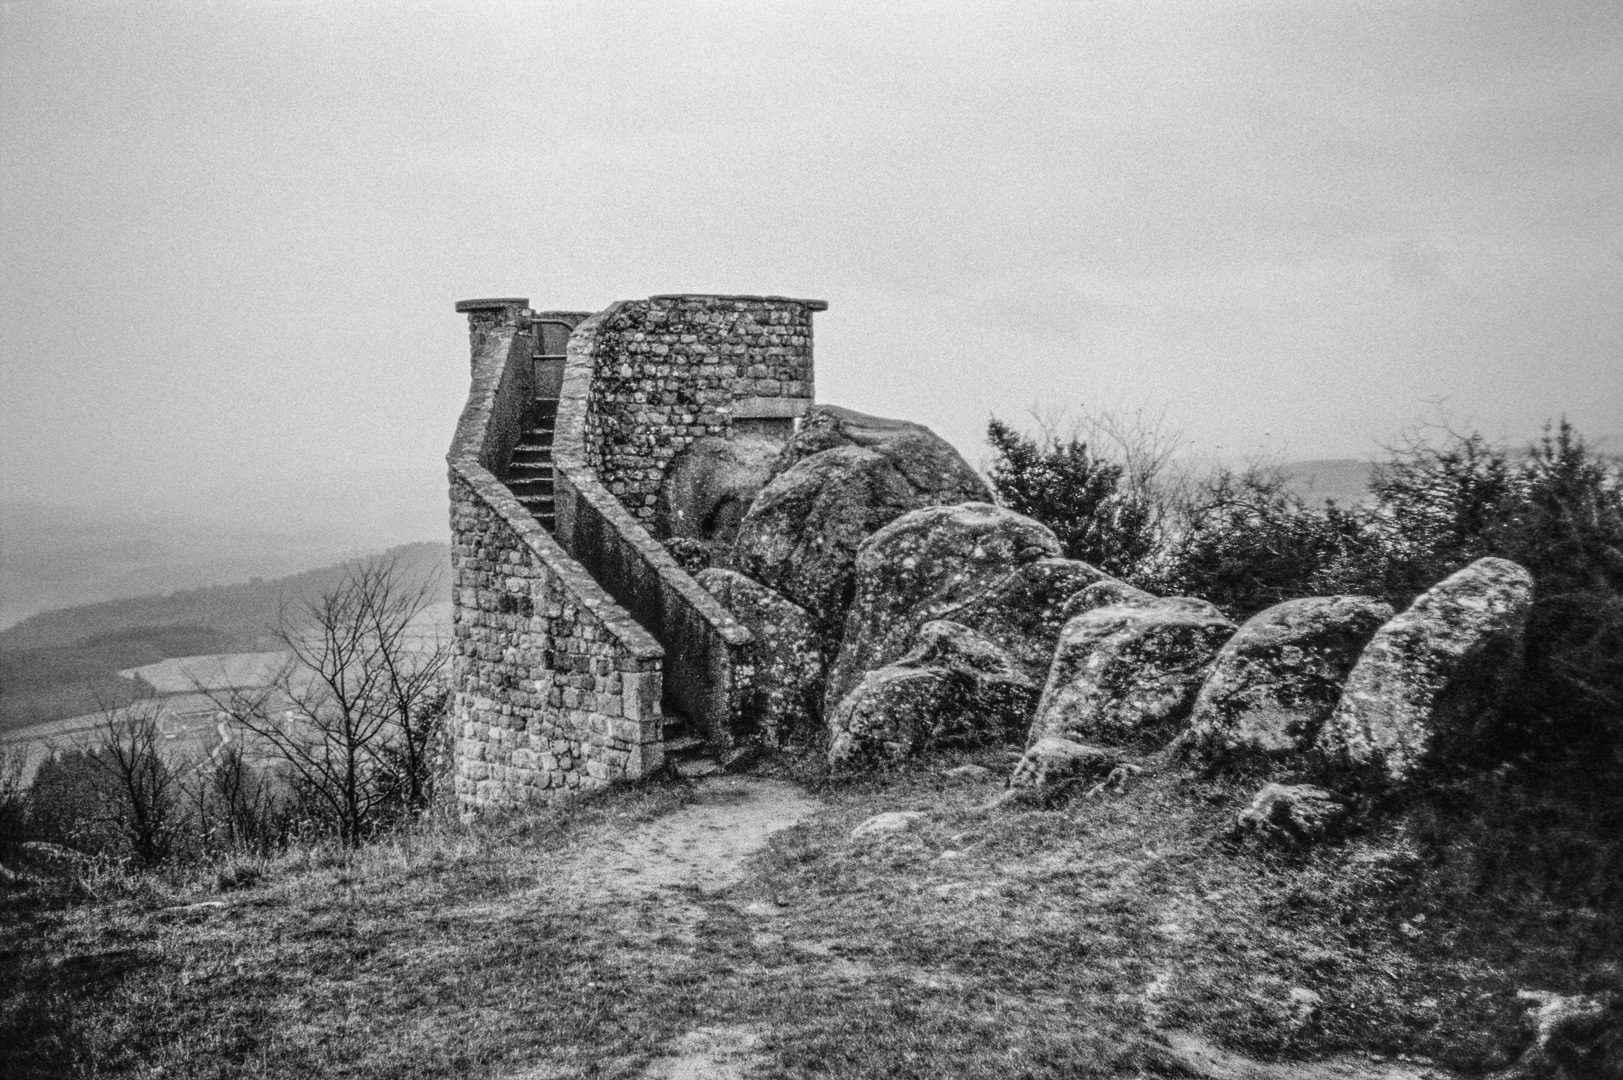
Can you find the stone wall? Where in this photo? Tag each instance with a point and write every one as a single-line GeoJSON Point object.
{"type": "Point", "coordinates": [706, 675]}
{"type": "Point", "coordinates": [560, 673]}
{"type": "Point", "coordinates": [557, 688]}
{"type": "Point", "coordinates": [672, 369]}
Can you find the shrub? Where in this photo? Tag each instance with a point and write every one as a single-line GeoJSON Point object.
{"type": "Point", "coordinates": [1098, 512]}
{"type": "Point", "coordinates": [67, 804]}
{"type": "Point", "coordinates": [13, 797]}
{"type": "Point", "coordinates": [239, 807]}
{"type": "Point", "coordinates": [1245, 542]}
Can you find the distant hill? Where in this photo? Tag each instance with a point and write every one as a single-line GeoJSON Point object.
{"type": "Point", "coordinates": [66, 662]}
{"type": "Point", "coordinates": [1343, 480]}
{"type": "Point", "coordinates": [54, 556]}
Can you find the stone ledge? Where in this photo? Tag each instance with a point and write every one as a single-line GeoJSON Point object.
{"type": "Point", "coordinates": [770, 408]}
{"type": "Point", "coordinates": [495, 303]}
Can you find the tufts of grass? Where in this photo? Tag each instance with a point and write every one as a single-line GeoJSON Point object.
{"type": "Point", "coordinates": [1042, 943]}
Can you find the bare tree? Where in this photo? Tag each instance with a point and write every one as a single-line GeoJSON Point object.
{"type": "Point", "coordinates": [143, 799]}
{"type": "Point", "coordinates": [351, 711]}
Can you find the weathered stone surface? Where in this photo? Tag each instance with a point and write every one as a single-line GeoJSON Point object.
{"type": "Point", "coordinates": [671, 370]}
{"type": "Point", "coordinates": [922, 566]}
{"type": "Point", "coordinates": [1293, 813]}
{"type": "Point", "coordinates": [785, 694]}
{"type": "Point", "coordinates": [1127, 675]}
{"type": "Point", "coordinates": [1024, 612]}
{"type": "Point", "coordinates": [1106, 593]}
{"type": "Point", "coordinates": [928, 461]}
{"type": "Point", "coordinates": [711, 484]}
{"type": "Point", "coordinates": [1280, 676]}
{"type": "Point", "coordinates": [801, 534]}
{"type": "Point", "coordinates": [888, 823]}
{"type": "Point", "coordinates": [1113, 593]}
{"type": "Point", "coordinates": [1050, 761]}
{"type": "Point", "coordinates": [888, 716]}
{"type": "Point", "coordinates": [954, 688]}
{"type": "Point", "coordinates": [1428, 685]}
{"type": "Point", "coordinates": [1575, 1037]}
{"type": "Point", "coordinates": [551, 700]}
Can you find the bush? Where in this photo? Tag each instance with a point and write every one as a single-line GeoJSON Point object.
{"type": "Point", "coordinates": [1245, 542]}
{"type": "Point", "coordinates": [1100, 515]}
{"type": "Point", "coordinates": [13, 797]}
{"type": "Point", "coordinates": [67, 804]}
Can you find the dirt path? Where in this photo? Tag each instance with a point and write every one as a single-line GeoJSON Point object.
{"type": "Point", "coordinates": [702, 846]}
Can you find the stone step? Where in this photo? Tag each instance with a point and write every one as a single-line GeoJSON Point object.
{"type": "Point", "coordinates": [694, 768]}
{"type": "Point", "coordinates": [530, 485]}
{"type": "Point", "coordinates": [680, 744]}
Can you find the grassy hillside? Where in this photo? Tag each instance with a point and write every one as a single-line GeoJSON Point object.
{"type": "Point", "coordinates": [1104, 937]}
{"type": "Point", "coordinates": [62, 663]}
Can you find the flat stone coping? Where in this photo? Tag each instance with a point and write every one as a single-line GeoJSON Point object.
{"type": "Point", "coordinates": [811, 305]}
{"type": "Point", "coordinates": [493, 303]}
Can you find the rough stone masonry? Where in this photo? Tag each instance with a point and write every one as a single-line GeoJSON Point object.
{"type": "Point", "coordinates": [571, 647]}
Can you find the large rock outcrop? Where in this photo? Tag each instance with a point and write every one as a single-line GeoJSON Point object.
{"type": "Point", "coordinates": [842, 478]}
{"type": "Point", "coordinates": [954, 688]}
{"type": "Point", "coordinates": [1024, 612]}
{"type": "Point", "coordinates": [1428, 686]}
{"type": "Point", "coordinates": [922, 566]}
{"type": "Point", "coordinates": [1107, 592]}
{"type": "Point", "coordinates": [1112, 593]}
{"type": "Point", "coordinates": [928, 461]}
{"type": "Point", "coordinates": [710, 486]}
{"type": "Point", "coordinates": [785, 693]}
{"type": "Point", "coordinates": [1127, 675]}
{"type": "Point", "coordinates": [1279, 677]}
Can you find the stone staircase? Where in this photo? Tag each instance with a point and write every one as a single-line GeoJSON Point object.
{"type": "Point", "coordinates": [685, 749]}
{"type": "Point", "coordinates": [530, 478]}
{"type": "Point", "coordinates": [529, 472]}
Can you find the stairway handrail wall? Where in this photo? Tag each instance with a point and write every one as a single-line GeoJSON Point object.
{"type": "Point", "coordinates": [491, 424]}
{"type": "Point", "coordinates": [493, 766]}
{"type": "Point", "coordinates": [706, 673]}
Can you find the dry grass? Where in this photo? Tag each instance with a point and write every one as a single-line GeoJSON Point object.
{"type": "Point", "coordinates": [1044, 943]}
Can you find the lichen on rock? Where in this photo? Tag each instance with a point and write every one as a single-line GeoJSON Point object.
{"type": "Point", "coordinates": [923, 566]}
{"type": "Point", "coordinates": [955, 688]}
{"type": "Point", "coordinates": [1279, 677]}
{"type": "Point", "coordinates": [843, 477]}
{"type": "Point", "coordinates": [784, 699]}
{"type": "Point", "coordinates": [1428, 686]}
{"type": "Point", "coordinates": [1128, 674]}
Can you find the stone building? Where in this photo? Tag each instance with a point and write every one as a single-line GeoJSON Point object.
{"type": "Point", "coordinates": [582, 646]}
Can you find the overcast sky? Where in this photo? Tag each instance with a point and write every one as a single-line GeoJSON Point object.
{"type": "Point", "coordinates": [232, 232]}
